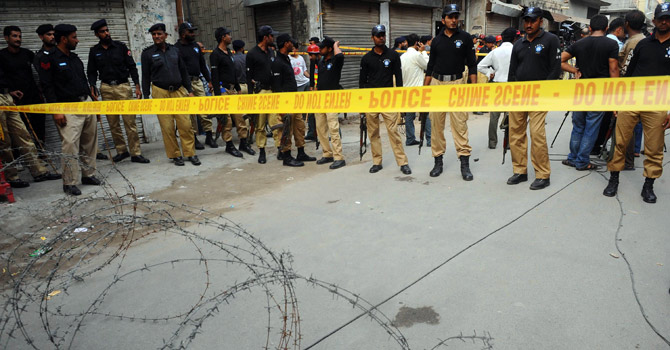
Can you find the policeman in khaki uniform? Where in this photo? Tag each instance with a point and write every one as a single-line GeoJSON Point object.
{"type": "Point", "coordinates": [63, 80]}
{"type": "Point", "coordinates": [537, 56]}
{"type": "Point", "coordinates": [164, 76]}
{"type": "Point", "coordinates": [328, 124]}
{"type": "Point", "coordinates": [651, 57]}
{"type": "Point", "coordinates": [378, 68]}
{"type": "Point", "coordinates": [224, 78]}
{"type": "Point", "coordinates": [259, 81]}
{"type": "Point", "coordinates": [112, 62]}
{"type": "Point", "coordinates": [283, 80]}
{"type": "Point", "coordinates": [194, 60]}
{"type": "Point", "coordinates": [451, 51]}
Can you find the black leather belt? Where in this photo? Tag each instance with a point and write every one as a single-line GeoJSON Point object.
{"type": "Point", "coordinates": [114, 82]}
{"type": "Point", "coordinates": [447, 77]}
{"type": "Point", "coordinates": [171, 88]}
{"type": "Point", "coordinates": [4, 90]}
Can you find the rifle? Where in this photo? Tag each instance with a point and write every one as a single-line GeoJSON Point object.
{"type": "Point", "coordinates": [363, 143]}
{"type": "Point", "coordinates": [505, 126]}
{"type": "Point", "coordinates": [605, 153]}
{"type": "Point", "coordinates": [316, 134]}
{"type": "Point", "coordinates": [559, 128]}
{"type": "Point", "coordinates": [220, 124]}
{"type": "Point", "coordinates": [422, 132]}
{"type": "Point", "coordinates": [285, 125]}
{"type": "Point", "coordinates": [102, 128]}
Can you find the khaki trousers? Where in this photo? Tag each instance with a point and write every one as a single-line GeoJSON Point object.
{"type": "Point", "coordinates": [297, 131]}
{"type": "Point", "coordinates": [459, 128]}
{"type": "Point", "coordinates": [328, 124]}
{"type": "Point", "coordinates": [652, 126]}
{"type": "Point", "coordinates": [15, 135]}
{"type": "Point", "coordinates": [240, 124]}
{"type": "Point", "coordinates": [205, 121]}
{"type": "Point", "coordinates": [115, 93]}
{"type": "Point", "coordinates": [391, 120]}
{"type": "Point", "coordinates": [80, 140]}
{"type": "Point", "coordinates": [183, 124]}
{"type": "Point", "coordinates": [261, 137]}
{"type": "Point", "coordinates": [518, 143]}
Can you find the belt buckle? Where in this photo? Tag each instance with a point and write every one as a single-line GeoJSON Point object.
{"type": "Point", "coordinates": [171, 88]}
{"type": "Point", "coordinates": [113, 82]}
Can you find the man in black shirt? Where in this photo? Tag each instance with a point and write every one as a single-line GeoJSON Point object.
{"type": "Point", "coordinates": [17, 64]}
{"type": "Point", "coordinates": [451, 51]}
{"type": "Point", "coordinates": [15, 135]}
{"type": "Point", "coordinates": [535, 57]}
{"type": "Point", "coordinates": [378, 68]}
{"type": "Point", "coordinates": [113, 63]}
{"type": "Point", "coordinates": [328, 124]}
{"type": "Point", "coordinates": [259, 81]}
{"type": "Point", "coordinates": [283, 80]}
{"type": "Point", "coordinates": [164, 75]}
{"type": "Point", "coordinates": [597, 57]}
{"type": "Point", "coordinates": [224, 78]}
{"type": "Point", "coordinates": [63, 80]}
{"type": "Point", "coordinates": [651, 57]}
{"type": "Point", "coordinates": [194, 59]}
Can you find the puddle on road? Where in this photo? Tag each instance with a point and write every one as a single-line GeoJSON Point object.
{"type": "Point", "coordinates": [408, 316]}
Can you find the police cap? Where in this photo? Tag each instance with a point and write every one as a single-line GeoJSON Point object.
{"type": "Point", "coordinates": [283, 39]}
{"type": "Point", "coordinates": [157, 26]}
{"type": "Point", "coordinates": [451, 9]}
{"type": "Point", "coordinates": [399, 40]}
{"type": "Point", "coordinates": [490, 39]}
{"type": "Point", "coordinates": [662, 10]}
{"type": "Point", "coordinates": [220, 32]}
{"type": "Point", "coordinates": [327, 42]}
{"type": "Point", "coordinates": [44, 28]}
{"type": "Point", "coordinates": [315, 39]}
{"type": "Point", "coordinates": [532, 12]}
{"type": "Point", "coordinates": [238, 44]}
{"type": "Point", "coordinates": [267, 30]}
{"type": "Point", "coordinates": [378, 29]}
{"type": "Point", "coordinates": [186, 26]}
{"type": "Point", "coordinates": [98, 24]}
{"type": "Point", "coordinates": [65, 29]}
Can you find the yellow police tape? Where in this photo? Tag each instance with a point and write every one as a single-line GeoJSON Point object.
{"type": "Point", "coordinates": [615, 94]}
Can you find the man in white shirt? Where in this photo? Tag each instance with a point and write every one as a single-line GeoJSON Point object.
{"type": "Point", "coordinates": [300, 70]}
{"type": "Point", "coordinates": [495, 66]}
{"type": "Point", "coordinates": [413, 63]}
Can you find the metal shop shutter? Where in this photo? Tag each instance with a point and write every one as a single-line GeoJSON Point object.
{"type": "Point", "coordinates": [277, 16]}
{"type": "Point", "coordinates": [351, 23]}
{"type": "Point", "coordinates": [406, 20]}
{"type": "Point", "coordinates": [495, 23]}
{"type": "Point", "coordinates": [28, 15]}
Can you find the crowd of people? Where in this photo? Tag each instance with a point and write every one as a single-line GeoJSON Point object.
{"type": "Point", "coordinates": [453, 56]}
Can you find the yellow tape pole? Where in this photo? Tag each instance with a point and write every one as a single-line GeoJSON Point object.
{"type": "Point", "coordinates": [610, 94]}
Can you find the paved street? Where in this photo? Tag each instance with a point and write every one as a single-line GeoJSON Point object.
{"type": "Point", "coordinates": [444, 262]}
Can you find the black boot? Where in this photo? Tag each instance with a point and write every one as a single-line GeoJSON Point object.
{"type": "Point", "coordinates": [230, 148]}
{"type": "Point", "coordinates": [244, 147]}
{"type": "Point", "coordinates": [290, 161]}
{"type": "Point", "coordinates": [261, 155]}
{"type": "Point", "coordinates": [198, 145]}
{"type": "Point", "coordinates": [280, 154]}
{"type": "Point", "coordinates": [437, 169]}
{"type": "Point", "coordinates": [612, 185]}
{"type": "Point", "coordinates": [303, 157]}
{"type": "Point", "coordinates": [648, 191]}
{"type": "Point", "coordinates": [209, 141]}
{"type": "Point", "coordinates": [465, 168]}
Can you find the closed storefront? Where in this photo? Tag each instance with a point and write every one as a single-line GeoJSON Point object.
{"type": "Point", "coordinates": [496, 23]}
{"type": "Point", "coordinates": [278, 16]}
{"type": "Point", "coordinates": [405, 20]}
{"type": "Point", "coordinates": [351, 23]}
{"type": "Point", "coordinates": [28, 15]}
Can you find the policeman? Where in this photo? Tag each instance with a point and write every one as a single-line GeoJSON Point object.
{"type": "Point", "coordinates": [259, 81]}
{"type": "Point", "coordinates": [113, 62]}
{"type": "Point", "coordinates": [535, 57]}
{"type": "Point", "coordinates": [194, 59]}
{"type": "Point", "coordinates": [164, 75]}
{"type": "Point", "coordinates": [328, 124]}
{"type": "Point", "coordinates": [224, 77]}
{"type": "Point", "coordinates": [283, 80]}
{"type": "Point", "coordinates": [46, 34]}
{"type": "Point", "coordinates": [17, 64]}
{"type": "Point", "coordinates": [378, 68]}
{"type": "Point", "coordinates": [651, 57]}
{"type": "Point", "coordinates": [15, 136]}
{"type": "Point", "coordinates": [63, 80]}
{"type": "Point", "coordinates": [451, 51]}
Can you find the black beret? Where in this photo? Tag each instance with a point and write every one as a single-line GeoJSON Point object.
{"type": "Point", "coordinates": [44, 28]}
{"type": "Point", "coordinates": [238, 44]}
{"type": "Point", "coordinates": [98, 24]}
{"type": "Point", "coordinates": [157, 26]}
{"type": "Point", "coordinates": [65, 28]}
{"type": "Point", "coordinates": [283, 39]}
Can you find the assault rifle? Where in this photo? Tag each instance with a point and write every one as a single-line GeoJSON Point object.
{"type": "Point", "coordinates": [422, 131]}
{"type": "Point", "coordinates": [363, 143]}
{"type": "Point", "coordinates": [505, 126]}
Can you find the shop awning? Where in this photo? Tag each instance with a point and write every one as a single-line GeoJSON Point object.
{"type": "Point", "coordinates": [504, 9]}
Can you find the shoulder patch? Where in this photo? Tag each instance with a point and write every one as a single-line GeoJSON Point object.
{"type": "Point", "coordinates": [45, 65]}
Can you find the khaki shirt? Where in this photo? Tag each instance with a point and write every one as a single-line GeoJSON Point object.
{"type": "Point", "coordinates": [627, 53]}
